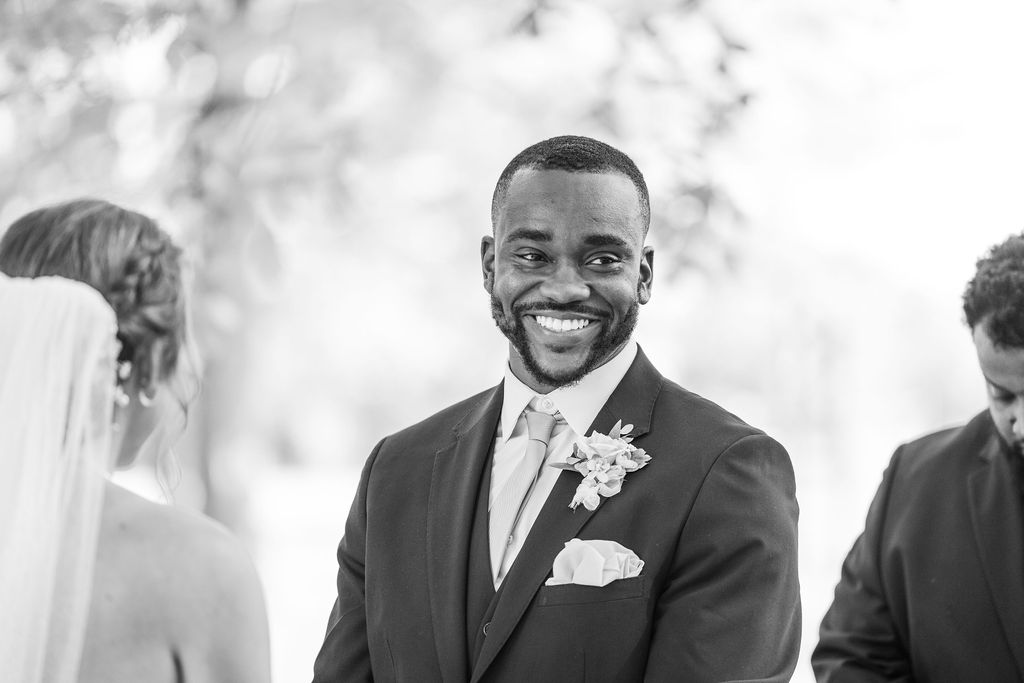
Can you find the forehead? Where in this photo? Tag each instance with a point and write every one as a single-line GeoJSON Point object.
{"type": "Point", "coordinates": [567, 202]}
{"type": "Point", "coordinates": [1001, 365]}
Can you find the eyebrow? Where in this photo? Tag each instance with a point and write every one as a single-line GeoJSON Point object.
{"type": "Point", "coordinates": [605, 241]}
{"type": "Point", "coordinates": [996, 386]}
{"type": "Point", "coordinates": [528, 234]}
{"type": "Point", "coordinates": [535, 235]}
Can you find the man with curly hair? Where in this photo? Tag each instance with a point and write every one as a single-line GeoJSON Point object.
{"type": "Point", "coordinates": [933, 590]}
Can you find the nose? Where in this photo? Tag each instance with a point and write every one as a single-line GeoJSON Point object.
{"type": "Point", "coordinates": [565, 285]}
{"type": "Point", "coordinates": [1017, 418]}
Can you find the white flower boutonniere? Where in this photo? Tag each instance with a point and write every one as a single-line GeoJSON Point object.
{"type": "Point", "coordinates": [604, 461]}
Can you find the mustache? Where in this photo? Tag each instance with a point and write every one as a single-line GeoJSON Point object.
{"type": "Point", "coordinates": [525, 307]}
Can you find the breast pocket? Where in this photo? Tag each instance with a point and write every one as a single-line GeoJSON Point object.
{"type": "Point", "coordinates": [571, 594]}
{"type": "Point", "coordinates": [606, 631]}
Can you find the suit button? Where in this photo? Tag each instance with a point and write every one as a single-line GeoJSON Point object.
{"type": "Point", "coordinates": [486, 627]}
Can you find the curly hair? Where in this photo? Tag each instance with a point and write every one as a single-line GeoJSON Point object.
{"type": "Point", "coordinates": [122, 254]}
{"type": "Point", "coordinates": [576, 154]}
{"type": "Point", "coordinates": [995, 295]}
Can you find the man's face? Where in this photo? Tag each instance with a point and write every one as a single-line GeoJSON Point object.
{"type": "Point", "coordinates": [567, 272]}
{"type": "Point", "coordinates": [1003, 368]}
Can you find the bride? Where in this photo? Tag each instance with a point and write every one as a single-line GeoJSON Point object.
{"type": "Point", "coordinates": [96, 583]}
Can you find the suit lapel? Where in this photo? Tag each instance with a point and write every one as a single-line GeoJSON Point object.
{"type": "Point", "coordinates": [454, 485]}
{"type": "Point", "coordinates": [633, 403]}
{"type": "Point", "coordinates": [999, 535]}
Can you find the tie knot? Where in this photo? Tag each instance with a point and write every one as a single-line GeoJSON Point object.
{"type": "Point", "coordinates": [539, 425]}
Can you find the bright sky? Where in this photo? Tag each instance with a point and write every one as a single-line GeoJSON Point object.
{"type": "Point", "coordinates": [896, 130]}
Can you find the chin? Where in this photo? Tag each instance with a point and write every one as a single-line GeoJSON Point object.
{"type": "Point", "coordinates": [561, 377]}
{"type": "Point", "coordinates": [560, 359]}
{"type": "Point", "coordinates": [558, 372]}
{"type": "Point", "coordinates": [561, 362]}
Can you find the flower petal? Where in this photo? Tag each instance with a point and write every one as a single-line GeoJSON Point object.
{"type": "Point", "coordinates": [604, 460]}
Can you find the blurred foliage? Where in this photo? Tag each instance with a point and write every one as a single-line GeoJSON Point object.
{"type": "Point", "coordinates": [271, 109]}
{"type": "Point", "coordinates": [319, 158]}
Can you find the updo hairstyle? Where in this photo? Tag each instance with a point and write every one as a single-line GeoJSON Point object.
{"type": "Point", "coordinates": [127, 258]}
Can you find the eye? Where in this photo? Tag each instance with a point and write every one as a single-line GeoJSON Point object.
{"type": "Point", "coordinates": [999, 395]}
{"type": "Point", "coordinates": [530, 256]}
{"type": "Point", "coordinates": [603, 260]}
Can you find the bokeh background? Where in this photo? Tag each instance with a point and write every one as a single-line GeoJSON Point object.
{"type": "Point", "coordinates": [824, 176]}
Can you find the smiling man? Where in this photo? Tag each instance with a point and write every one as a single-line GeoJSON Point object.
{"type": "Point", "coordinates": [569, 269]}
{"type": "Point", "coordinates": [933, 590]}
{"type": "Point", "coordinates": [586, 519]}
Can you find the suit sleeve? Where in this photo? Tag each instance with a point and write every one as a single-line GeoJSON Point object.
{"type": "Point", "coordinates": [858, 639]}
{"type": "Point", "coordinates": [730, 610]}
{"type": "Point", "coordinates": [345, 653]}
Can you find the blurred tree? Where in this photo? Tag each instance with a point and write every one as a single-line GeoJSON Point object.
{"type": "Point", "coordinates": [325, 162]}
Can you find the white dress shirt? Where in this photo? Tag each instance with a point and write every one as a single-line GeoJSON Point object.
{"type": "Point", "coordinates": [578, 405]}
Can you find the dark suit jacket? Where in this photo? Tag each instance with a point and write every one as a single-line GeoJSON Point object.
{"type": "Point", "coordinates": [934, 588]}
{"type": "Point", "coordinates": [713, 515]}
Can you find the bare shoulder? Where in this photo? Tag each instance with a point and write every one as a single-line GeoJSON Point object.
{"type": "Point", "coordinates": [174, 545]}
{"type": "Point", "coordinates": [197, 581]}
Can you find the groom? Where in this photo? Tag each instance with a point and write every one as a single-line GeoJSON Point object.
{"type": "Point", "coordinates": [685, 568]}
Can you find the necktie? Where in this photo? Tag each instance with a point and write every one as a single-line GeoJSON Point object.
{"type": "Point", "coordinates": [508, 505]}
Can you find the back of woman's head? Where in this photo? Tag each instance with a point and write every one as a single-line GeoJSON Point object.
{"type": "Point", "coordinates": [127, 258]}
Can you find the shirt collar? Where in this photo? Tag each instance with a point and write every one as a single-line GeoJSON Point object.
{"type": "Point", "coordinates": [579, 403]}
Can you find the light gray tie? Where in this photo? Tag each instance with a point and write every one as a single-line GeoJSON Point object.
{"type": "Point", "coordinates": [509, 503]}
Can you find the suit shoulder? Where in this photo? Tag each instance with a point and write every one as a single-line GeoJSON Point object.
{"type": "Point", "coordinates": [945, 448]}
{"type": "Point", "coordinates": [444, 420]}
{"type": "Point", "coordinates": [694, 414]}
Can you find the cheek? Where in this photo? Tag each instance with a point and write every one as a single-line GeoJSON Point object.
{"type": "Point", "coordinates": [1002, 415]}
{"type": "Point", "coordinates": [621, 295]}
{"type": "Point", "coordinates": [507, 289]}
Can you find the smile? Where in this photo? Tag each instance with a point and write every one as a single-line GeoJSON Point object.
{"type": "Point", "coordinates": [560, 325]}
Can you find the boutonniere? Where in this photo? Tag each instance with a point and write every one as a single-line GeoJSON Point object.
{"type": "Point", "coordinates": [604, 460]}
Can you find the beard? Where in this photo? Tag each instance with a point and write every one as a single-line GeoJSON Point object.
{"type": "Point", "coordinates": [611, 338]}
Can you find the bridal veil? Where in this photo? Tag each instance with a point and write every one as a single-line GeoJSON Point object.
{"type": "Point", "coordinates": [57, 379]}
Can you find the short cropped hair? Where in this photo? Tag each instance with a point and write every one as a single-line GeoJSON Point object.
{"type": "Point", "coordinates": [995, 295]}
{"type": "Point", "coordinates": [576, 154]}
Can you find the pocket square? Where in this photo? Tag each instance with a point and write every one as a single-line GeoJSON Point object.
{"type": "Point", "coordinates": [593, 563]}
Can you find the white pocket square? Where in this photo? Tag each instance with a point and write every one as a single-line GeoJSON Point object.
{"type": "Point", "coordinates": [594, 563]}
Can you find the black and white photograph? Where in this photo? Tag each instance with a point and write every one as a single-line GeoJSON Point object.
{"type": "Point", "coordinates": [550, 340]}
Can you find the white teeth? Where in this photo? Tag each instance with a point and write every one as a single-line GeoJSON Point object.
{"type": "Point", "coordinates": [559, 325]}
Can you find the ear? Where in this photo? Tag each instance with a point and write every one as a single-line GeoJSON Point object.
{"type": "Point", "coordinates": [646, 279]}
{"type": "Point", "coordinates": [487, 262]}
